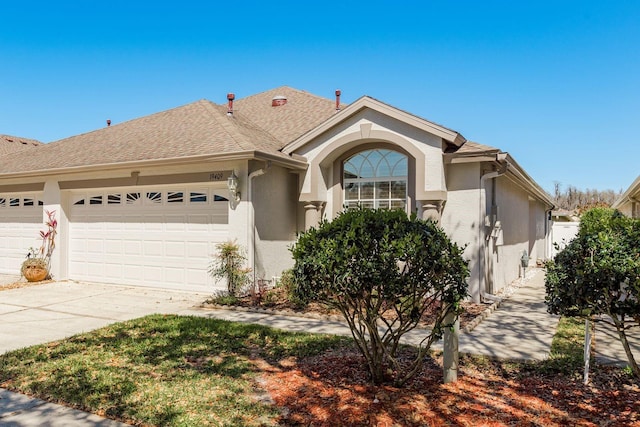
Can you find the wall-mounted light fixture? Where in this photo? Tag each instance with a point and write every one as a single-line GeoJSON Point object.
{"type": "Point", "coordinates": [232, 185]}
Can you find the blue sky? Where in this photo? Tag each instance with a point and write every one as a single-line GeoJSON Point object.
{"type": "Point", "coordinates": [554, 83]}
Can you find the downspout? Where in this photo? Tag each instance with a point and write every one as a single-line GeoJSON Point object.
{"type": "Point", "coordinates": [548, 233]}
{"type": "Point", "coordinates": [482, 259]}
{"type": "Point", "coordinates": [251, 252]}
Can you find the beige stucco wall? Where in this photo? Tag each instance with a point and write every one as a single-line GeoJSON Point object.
{"type": "Point", "coordinates": [626, 208]}
{"type": "Point", "coordinates": [460, 216]}
{"type": "Point", "coordinates": [368, 127]}
{"type": "Point", "coordinates": [537, 232]}
{"type": "Point", "coordinates": [516, 223]}
{"type": "Point", "coordinates": [275, 200]}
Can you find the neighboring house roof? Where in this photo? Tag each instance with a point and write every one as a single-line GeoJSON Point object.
{"type": "Point", "coordinates": [11, 144]}
{"type": "Point", "coordinates": [565, 215]}
{"type": "Point", "coordinates": [631, 194]}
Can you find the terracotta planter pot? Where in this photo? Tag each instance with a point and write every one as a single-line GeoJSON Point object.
{"type": "Point", "coordinates": [35, 274]}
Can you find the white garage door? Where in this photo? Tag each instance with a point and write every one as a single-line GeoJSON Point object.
{"type": "Point", "coordinates": [161, 237]}
{"type": "Point", "coordinates": [20, 225]}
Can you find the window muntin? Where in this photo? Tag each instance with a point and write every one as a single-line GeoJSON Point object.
{"type": "Point", "coordinates": [376, 179]}
{"type": "Point", "coordinates": [114, 199]}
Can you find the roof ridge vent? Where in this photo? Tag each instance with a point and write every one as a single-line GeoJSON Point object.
{"type": "Point", "coordinates": [278, 100]}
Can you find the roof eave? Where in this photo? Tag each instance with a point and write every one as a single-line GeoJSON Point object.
{"type": "Point", "coordinates": [628, 195]}
{"type": "Point", "coordinates": [238, 155]}
{"type": "Point", "coordinates": [531, 186]}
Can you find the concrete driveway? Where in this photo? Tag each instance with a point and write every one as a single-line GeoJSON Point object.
{"type": "Point", "coordinates": [52, 311]}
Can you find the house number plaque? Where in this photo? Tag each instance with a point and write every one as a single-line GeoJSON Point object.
{"type": "Point", "coordinates": [216, 176]}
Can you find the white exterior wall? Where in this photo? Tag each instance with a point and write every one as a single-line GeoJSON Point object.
{"type": "Point", "coordinates": [460, 216]}
{"type": "Point", "coordinates": [562, 233]}
{"type": "Point", "coordinates": [275, 200]}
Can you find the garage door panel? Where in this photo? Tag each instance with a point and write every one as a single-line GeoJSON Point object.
{"type": "Point", "coordinates": [114, 226]}
{"type": "Point", "coordinates": [20, 227]}
{"type": "Point", "coordinates": [113, 271]}
{"type": "Point", "coordinates": [132, 248]}
{"type": "Point", "coordinates": [174, 249]}
{"type": "Point", "coordinates": [152, 275]}
{"type": "Point", "coordinates": [198, 250]}
{"type": "Point", "coordinates": [132, 223]}
{"type": "Point", "coordinates": [113, 247]}
{"type": "Point", "coordinates": [96, 268]}
{"type": "Point", "coordinates": [152, 248]}
{"type": "Point", "coordinates": [131, 274]}
{"type": "Point", "coordinates": [95, 246]}
{"type": "Point", "coordinates": [148, 243]}
{"type": "Point", "coordinates": [174, 276]}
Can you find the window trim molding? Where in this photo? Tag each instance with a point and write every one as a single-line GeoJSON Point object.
{"type": "Point", "coordinates": [338, 173]}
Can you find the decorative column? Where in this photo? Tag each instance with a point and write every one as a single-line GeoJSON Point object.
{"type": "Point", "coordinates": [431, 209]}
{"type": "Point", "coordinates": [312, 214]}
{"type": "Point", "coordinates": [52, 200]}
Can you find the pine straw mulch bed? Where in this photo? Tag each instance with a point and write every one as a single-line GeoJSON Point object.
{"type": "Point", "coordinates": [333, 390]}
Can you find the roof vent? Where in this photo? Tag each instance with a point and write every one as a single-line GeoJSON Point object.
{"type": "Point", "coordinates": [230, 98]}
{"type": "Point", "coordinates": [108, 122]}
{"type": "Point", "coordinates": [278, 100]}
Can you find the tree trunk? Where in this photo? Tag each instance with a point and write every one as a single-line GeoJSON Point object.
{"type": "Point", "coordinates": [625, 344]}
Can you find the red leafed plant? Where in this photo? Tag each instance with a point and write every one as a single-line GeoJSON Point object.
{"type": "Point", "coordinates": [41, 258]}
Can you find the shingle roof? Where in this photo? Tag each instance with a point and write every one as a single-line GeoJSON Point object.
{"type": "Point", "coordinates": [470, 148]}
{"type": "Point", "coordinates": [195, 129]}
{"type": "Point", "coordinates": [198, 129]}
{"type": "Point", "coordinates": [11, 144]}
{"type": "Point", "coordinates": [302, 112]}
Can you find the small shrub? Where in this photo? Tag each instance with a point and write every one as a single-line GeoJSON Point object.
{"type": "Point", "coordinates": [258, 291]}
{"type": "Point", "coordinates": [223, 298]}
{"type": "Point", "coordinates": [228, 264]}
{"type": "Point", "coordinates": [287, 283]}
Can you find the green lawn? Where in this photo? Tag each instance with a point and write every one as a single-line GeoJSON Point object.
{"type": "Point", "coordinates": [160, 370]}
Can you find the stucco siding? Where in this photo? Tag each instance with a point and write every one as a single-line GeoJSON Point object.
{"type": "Point", "coordinates": [627, 209]}
{"type": "Point", "coordinates": [274, 195]}
{"type": "Point", "coordinates": [514, 216]}
{"type": "Point", "coordinates": [367, 127]}
{"type": "Point", "coordinates": [460, 215]}
{"type": "Point", "coordinates": [537, 231]}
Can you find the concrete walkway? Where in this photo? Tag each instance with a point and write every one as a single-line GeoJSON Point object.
{"type": "Point", "coordinates": [520, 329]}
{"type": "Point", "coordinates": [18, 410]}
{"type": "Point", "coordinates": [608, 348]}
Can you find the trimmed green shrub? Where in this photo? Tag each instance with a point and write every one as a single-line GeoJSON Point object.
{"type": "Point", "coordinates": [383, 271]}
{"type": "Point", "coordinates": [598, 274]}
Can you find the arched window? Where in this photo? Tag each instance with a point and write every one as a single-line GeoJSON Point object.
{"type": "Point", "coordinates": [376, 179]}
